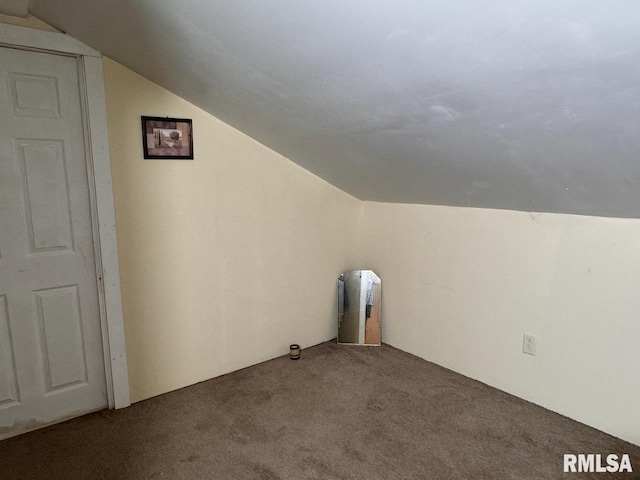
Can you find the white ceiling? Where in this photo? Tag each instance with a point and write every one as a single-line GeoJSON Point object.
{"type": "Point", "coordinates": [16, 8]}
{"type": "Point", "coordinates": [527, 105]}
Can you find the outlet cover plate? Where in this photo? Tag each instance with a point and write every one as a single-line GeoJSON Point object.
{"type": "Point", "coordinates": [529, 344]}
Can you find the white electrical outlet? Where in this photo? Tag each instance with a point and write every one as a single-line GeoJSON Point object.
{"type": "Point", "coordinates": [529, 344]}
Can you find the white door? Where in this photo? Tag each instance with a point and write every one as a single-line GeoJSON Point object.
{"type": "Point", "coordinates": [51, 351]}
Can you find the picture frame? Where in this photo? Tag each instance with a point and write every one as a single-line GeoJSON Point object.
{"type": "Point", "coordinates": [165, 138]}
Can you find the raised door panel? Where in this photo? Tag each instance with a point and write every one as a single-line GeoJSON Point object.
{"type": "Point", "coordinates": [34, 95]}
{"type": "Point", "coordinates": [46, 194]}
{"type": "Point", "coordinates": [61, 338]}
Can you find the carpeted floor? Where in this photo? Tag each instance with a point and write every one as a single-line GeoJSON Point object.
{"type": "Point", "coordinates": [338, 413]}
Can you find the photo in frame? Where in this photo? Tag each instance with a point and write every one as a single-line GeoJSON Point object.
{"type": "Point", "coordinates": [166, 138]}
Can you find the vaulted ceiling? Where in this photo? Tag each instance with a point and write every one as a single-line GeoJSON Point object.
{"type": "Point", "coordinates": [527, 105]}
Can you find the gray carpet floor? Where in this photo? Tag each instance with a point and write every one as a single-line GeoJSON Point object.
{"type": "Point", "coordinates": [337, 413]}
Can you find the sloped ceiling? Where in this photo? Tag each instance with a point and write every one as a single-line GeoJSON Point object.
{"type": "Point", "coordinates": [527, 105]}
{"type": "Point", "coordinates": [16, 8]}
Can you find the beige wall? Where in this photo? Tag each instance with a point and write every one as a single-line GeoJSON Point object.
{"type": "Point", "coordinates": [224, 260]}
{"type": "Point", "coordinates": [462, 285]}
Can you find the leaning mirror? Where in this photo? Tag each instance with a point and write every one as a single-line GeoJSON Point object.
{"type": "Point", "coordinates": [359, 308]}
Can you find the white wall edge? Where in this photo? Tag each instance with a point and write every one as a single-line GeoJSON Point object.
{"type": "Point", "coordinates": [99, 140]}
{"type": "Point", "coordinates": [16, 36]}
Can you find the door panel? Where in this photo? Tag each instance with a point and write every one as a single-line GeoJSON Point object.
{"type": "Point", "coordinates": [61, 337]}
{"type": "Point", "coordinates": [44, 183]}
{"type": "Point", "coordinates": [34, 95]}
{"type": "Point", "coordinates": [51, 351]}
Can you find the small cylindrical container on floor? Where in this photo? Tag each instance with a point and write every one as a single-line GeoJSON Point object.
{"type": "Point", "coordinates": [294, 351]}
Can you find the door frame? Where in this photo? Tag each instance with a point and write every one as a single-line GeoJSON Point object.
{"type": "Point", "coordinates": [94, 114]}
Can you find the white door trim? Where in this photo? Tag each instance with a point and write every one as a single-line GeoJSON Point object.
{"type": "Point", "coordinates": [102, 209]}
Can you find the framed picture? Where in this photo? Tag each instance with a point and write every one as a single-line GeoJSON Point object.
{"type": "Point", "coordinates": [166, 138]}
